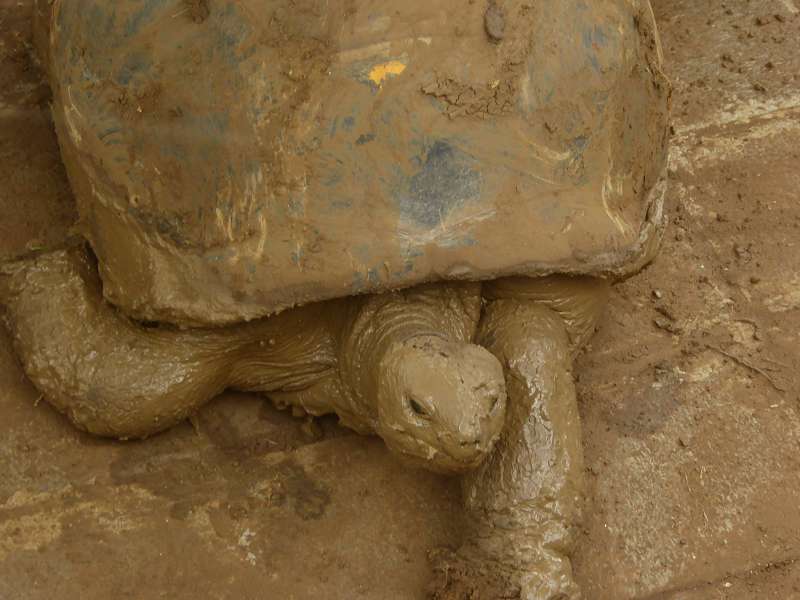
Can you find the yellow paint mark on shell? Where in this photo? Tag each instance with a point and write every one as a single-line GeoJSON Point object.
{"type": "Point", "coordinates": [381, 72]}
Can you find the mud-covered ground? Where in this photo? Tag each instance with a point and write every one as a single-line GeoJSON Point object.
{"type": "Point", "coordinates": [689, 393]}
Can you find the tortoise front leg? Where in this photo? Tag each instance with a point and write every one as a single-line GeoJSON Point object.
{"type": "Point", "coordinates": [524, 502]}
{"type": "Point", "coordinates": [114, 377]}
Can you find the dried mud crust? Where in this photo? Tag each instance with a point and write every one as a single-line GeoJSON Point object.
{"type": "Point", "coordinates": [511, 23]}
{"type": "Point", "coordinates": [474, 100]}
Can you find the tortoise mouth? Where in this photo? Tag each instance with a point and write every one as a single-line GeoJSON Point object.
{"type": "Point", "coordinates": [445, 459]}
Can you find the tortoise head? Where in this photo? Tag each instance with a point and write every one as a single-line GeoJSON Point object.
{"type": "Point", "coordinates": [440, 403]}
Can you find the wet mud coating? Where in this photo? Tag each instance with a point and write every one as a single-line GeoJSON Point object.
{"type": "Point", "coordinates": [231, 160]}
{"type": "Point", "coordinates": [234, 160]}
{"type": "Point", "coordinates": [447, 385]}
{"type": "Point", "coordinates": [692, 470]}
{"type": "Point", "coordinates": [524, 502]}
{"type": "Point", "coordinates": [401, 365]}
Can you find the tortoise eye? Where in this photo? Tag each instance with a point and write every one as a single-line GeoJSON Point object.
{"type": "Point", "coordinates": [417, 408]}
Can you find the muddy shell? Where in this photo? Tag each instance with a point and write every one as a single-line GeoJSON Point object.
{"type": "Point", "coordinates": [232, 159]}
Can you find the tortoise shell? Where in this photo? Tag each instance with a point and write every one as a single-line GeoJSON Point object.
{"type": "Point", "coordinates": [234, 158]}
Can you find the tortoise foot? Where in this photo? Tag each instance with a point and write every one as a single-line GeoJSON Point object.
{"type": "Point", "coordinates": [458, 576]}
{"type": "Point", "coordinates": [470, 574]}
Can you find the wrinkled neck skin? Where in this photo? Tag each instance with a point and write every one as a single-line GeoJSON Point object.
{"type": "Point", "coordinates": [579, 301]}
{"type": "Point", "coordinates": [408, 371]}
{"type": "Point", "coordinates": [115, 377]}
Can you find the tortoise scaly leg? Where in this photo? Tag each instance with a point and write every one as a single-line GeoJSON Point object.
{"type": "Point", "coordinates": [401, 365]}
{"type": "Point", "coordinates": [524, 501]}
{"type": "Point", "coordinates": [117, 378]}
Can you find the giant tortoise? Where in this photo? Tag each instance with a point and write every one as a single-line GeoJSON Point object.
{"type": "Point", "coordinates": [405, 213]}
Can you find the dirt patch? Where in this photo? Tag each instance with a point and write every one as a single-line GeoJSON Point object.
{"type": "Point", "coordinates": [35, 198]}
{"type": "Point", "coordinates": [474, 100]}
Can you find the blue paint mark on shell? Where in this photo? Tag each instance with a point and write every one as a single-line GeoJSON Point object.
{"type": "Point", "coordinates": [445, 181]}
{"type": "Point", "coordinates": [365, 139]}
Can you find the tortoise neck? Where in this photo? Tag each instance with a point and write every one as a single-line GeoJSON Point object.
{"type": "Point", "coordinates": [289, 351]}
{"type": "Point", "coordinates": [378, 323]}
